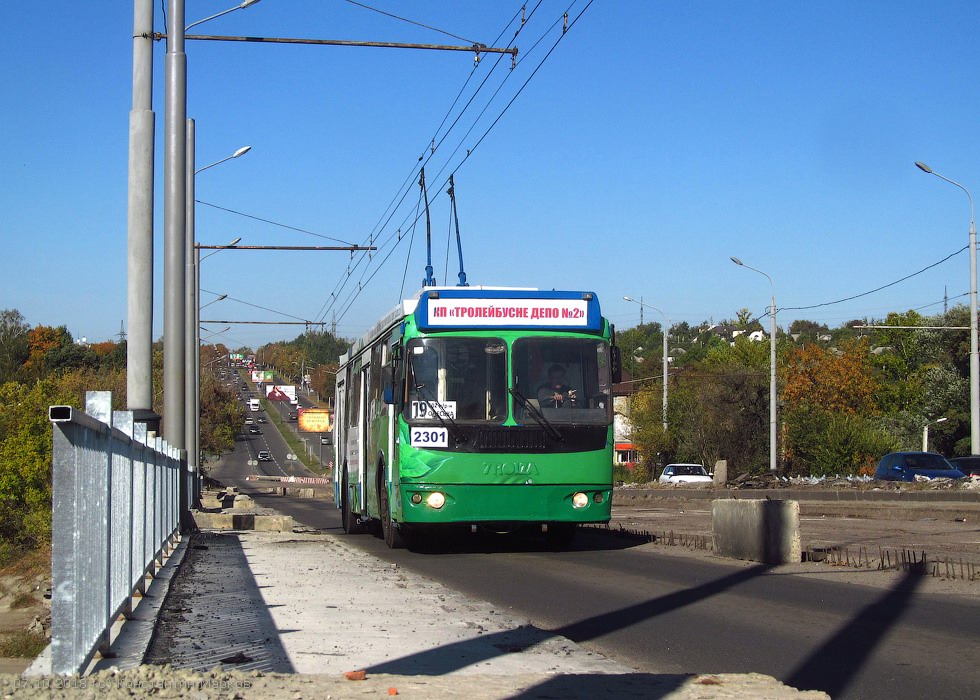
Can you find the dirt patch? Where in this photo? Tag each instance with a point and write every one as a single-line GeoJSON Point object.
{"type": "Point", "coordinates": [25, 609]}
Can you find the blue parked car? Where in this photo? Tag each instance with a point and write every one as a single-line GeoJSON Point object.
{"type": "Point", "coordinates": [904, 466]}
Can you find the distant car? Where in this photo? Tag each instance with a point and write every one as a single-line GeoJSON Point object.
{"type": "Point", "coordinates": [685, 474]}
{"type": "Point", "coordinates": [260, 419]}
{"type": "Point", "coordinates": [970, 466]}
{"type": "Point", "coordinates": [265, 456]}
{"type": "Point", "coordinates": [292, 415]}
{"type": "Point", "coordinates": [252, 430]}
{"type": "Point", "coordinates": [326, 440]}
{"type": "Point", "coordinates": [249, 421]}
{"type": "Point", "coordinates": [905, 466]}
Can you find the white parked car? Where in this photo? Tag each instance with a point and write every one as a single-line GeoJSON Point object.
{"type": "Point", "coordinates": [685, 474]}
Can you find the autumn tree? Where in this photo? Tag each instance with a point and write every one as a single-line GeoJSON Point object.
{"type": "Point", "coordinates": [830, 400]}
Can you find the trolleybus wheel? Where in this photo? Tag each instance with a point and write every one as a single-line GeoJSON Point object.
{"type": "Point", "coordinates": [393, 536]}
{"type": "Point", "coordinates": [351, 526]}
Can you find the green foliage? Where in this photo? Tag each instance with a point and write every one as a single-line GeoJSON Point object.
{"type": "Point", "coordinates": [825, 444]}
{"type": "Point", "coordinates": [220, 414]}
{"type": "Point", "coordinates": [25, 462]}
{"type": "Point", "coordinates": [13, 343]}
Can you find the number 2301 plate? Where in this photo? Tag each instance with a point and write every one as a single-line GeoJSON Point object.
{"type": "Point", "coordinates": [430, 437]}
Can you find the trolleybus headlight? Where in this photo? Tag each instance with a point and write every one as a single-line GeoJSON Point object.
{"type": "Point", "coordinates": [598, 498]}
{"type": "Point", "coordinates": [580, 500]}
{"type": "Point", "coordinates": [436, 500]}
{"type": "Point", "coordinates": [416, 498]}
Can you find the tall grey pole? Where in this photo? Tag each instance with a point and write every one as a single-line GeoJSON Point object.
{"type": "Point", "coordinates": [974, 334]}
{"type": "Point", "coordinates": [773, 393]}
{"type": "Point", "coordinates": [174, 220]}
{"type": "Point", "coordinates": [139, 348]}
{"type": "Point", "coordinates": [666, 364]}
{"type": "Point", "coordinates": [190, 307]}
{"type": "Point", "coordinates": [197, 356]}
{"type": "Point", "coordinates": [666, 368]}
{"type": "Point", "coordinates": [773, 398]}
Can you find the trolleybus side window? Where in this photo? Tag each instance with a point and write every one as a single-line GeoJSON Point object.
{"type": "Point", "coordinates": [464, 378]}
{"type": "Point", "coordinates": [353, 395]}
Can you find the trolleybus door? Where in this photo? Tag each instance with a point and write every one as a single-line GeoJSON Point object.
{"type": "Point", "coordinates": [363, 425]}
{"type": "Point", "coordinates": [339, 436]}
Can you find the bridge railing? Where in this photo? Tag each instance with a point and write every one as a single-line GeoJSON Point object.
{"type": "Point", "coordinates": [115, 516]}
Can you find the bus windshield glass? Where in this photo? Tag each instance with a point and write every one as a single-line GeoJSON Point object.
{"type": "Point", "coordinates": [566, 379]}
{"type": "Point", "coordinates": [463, 378]}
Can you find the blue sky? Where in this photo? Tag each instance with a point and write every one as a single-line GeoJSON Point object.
{"type": "Point", "coordinates": [656, 140]}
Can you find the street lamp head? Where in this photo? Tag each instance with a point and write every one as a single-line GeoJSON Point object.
{"type": "Point", "coordinates": [247, 3]}
{"type": "Point", "coordinates": [941, 420]}
{"type": "Point", "coordinates": [235, 242]}
{"type": "Point", "coordinates": [222, 297]}
{"type": "Point", "coordinates": [923, 167]}
{"type": "Point", "coordinates": [737, 261]}
{"type": "Point", "coordinates": [244, 149]}
{"type": "Point", "coordinates": [629, 299]}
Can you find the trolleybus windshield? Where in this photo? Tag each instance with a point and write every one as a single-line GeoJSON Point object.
{"type": "Point", "coordinates": [567, 379]}
{"type": "Point", "coordinates": [463, 378]}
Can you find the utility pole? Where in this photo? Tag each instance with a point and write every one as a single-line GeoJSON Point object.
{"type": "Point", "coordinates": [139, 224]}
{"type": "Point", "coordinates": [174, 253]}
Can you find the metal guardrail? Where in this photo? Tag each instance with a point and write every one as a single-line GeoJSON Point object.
{"type": "Point", "coordinates": [115, 516]}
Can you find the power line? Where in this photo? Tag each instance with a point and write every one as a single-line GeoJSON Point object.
{"type": "Point", "coordinates": [886, 286]}
{"type": "Point", "coordinates": [255, 306]}
{"type": "Point", "coordinates": [409, 21]}
{"type": "Point", "coordinates": [490, 128]}
{"type": "Point", "coordinates": [434, 146]}
{"type": "Point", "coordinates": [274, 223]}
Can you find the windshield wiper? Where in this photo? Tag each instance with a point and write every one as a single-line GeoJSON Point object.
{"type": "Point", "coordinates": [436, 407]}
{"type": "Point", "coordinates": [536, 415]}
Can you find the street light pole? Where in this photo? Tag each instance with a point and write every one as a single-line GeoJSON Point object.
{"type": "Point", "coordinates": [925, 432]}
{"type": "Point", "coordinates": [974, 335]}
{"type": "Point", "coordinates": [665, 363]}
{"type": "Point", "coordinates": [192, 315]}
{"type": "Point", "coordinates": [197, 340]}
{"type": "Point", "coordinates": [773, 397]}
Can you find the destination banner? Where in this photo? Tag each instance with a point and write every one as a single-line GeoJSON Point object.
{"type": "Point", "coordinates": [509, 312]}
{"type": "Point", "coordinates": [465, 308]}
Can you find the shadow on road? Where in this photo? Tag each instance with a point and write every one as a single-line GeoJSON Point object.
{"type": "Point", "coordinates": [462, 541]}
{"type": "Point", "coordinates": [452, 657]}
{"type": "Point", "coordinates": [833, 666]}
{"type": "Point", "coordinates": [214, 613]}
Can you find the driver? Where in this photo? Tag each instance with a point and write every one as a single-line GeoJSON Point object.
{"type": "Point", "coordinates": [555, 393]}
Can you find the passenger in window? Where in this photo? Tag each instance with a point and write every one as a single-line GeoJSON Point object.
{"type": "Point", "coordinates": [555, 393]}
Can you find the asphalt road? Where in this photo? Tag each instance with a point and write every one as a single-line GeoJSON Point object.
{"type": "Point", "coordinates": [682, 614]}
{"type": "Point", "coordinates": [661, 613]}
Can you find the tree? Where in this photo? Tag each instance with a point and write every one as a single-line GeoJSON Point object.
{"type": "Point", "coordinates": [836, 383]}
{"type": "Point", "coordinates": [13, 343]}
{"type": "Point", "coordinates": [808, 328]}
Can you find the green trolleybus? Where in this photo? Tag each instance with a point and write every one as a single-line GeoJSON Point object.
{"type": "Point", "coordinates": [478, 406]}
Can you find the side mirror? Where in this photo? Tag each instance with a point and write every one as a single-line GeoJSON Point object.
{"type": "Point", "coordinates": [616, 364]}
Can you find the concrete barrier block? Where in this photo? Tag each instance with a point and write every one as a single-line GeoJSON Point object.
{"type": "Point", "coordinates": [243, 502]}
{"type": "Point", "coordinates": [721, 472]}
{"type": "Point", "coordinates": [766, 531]}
